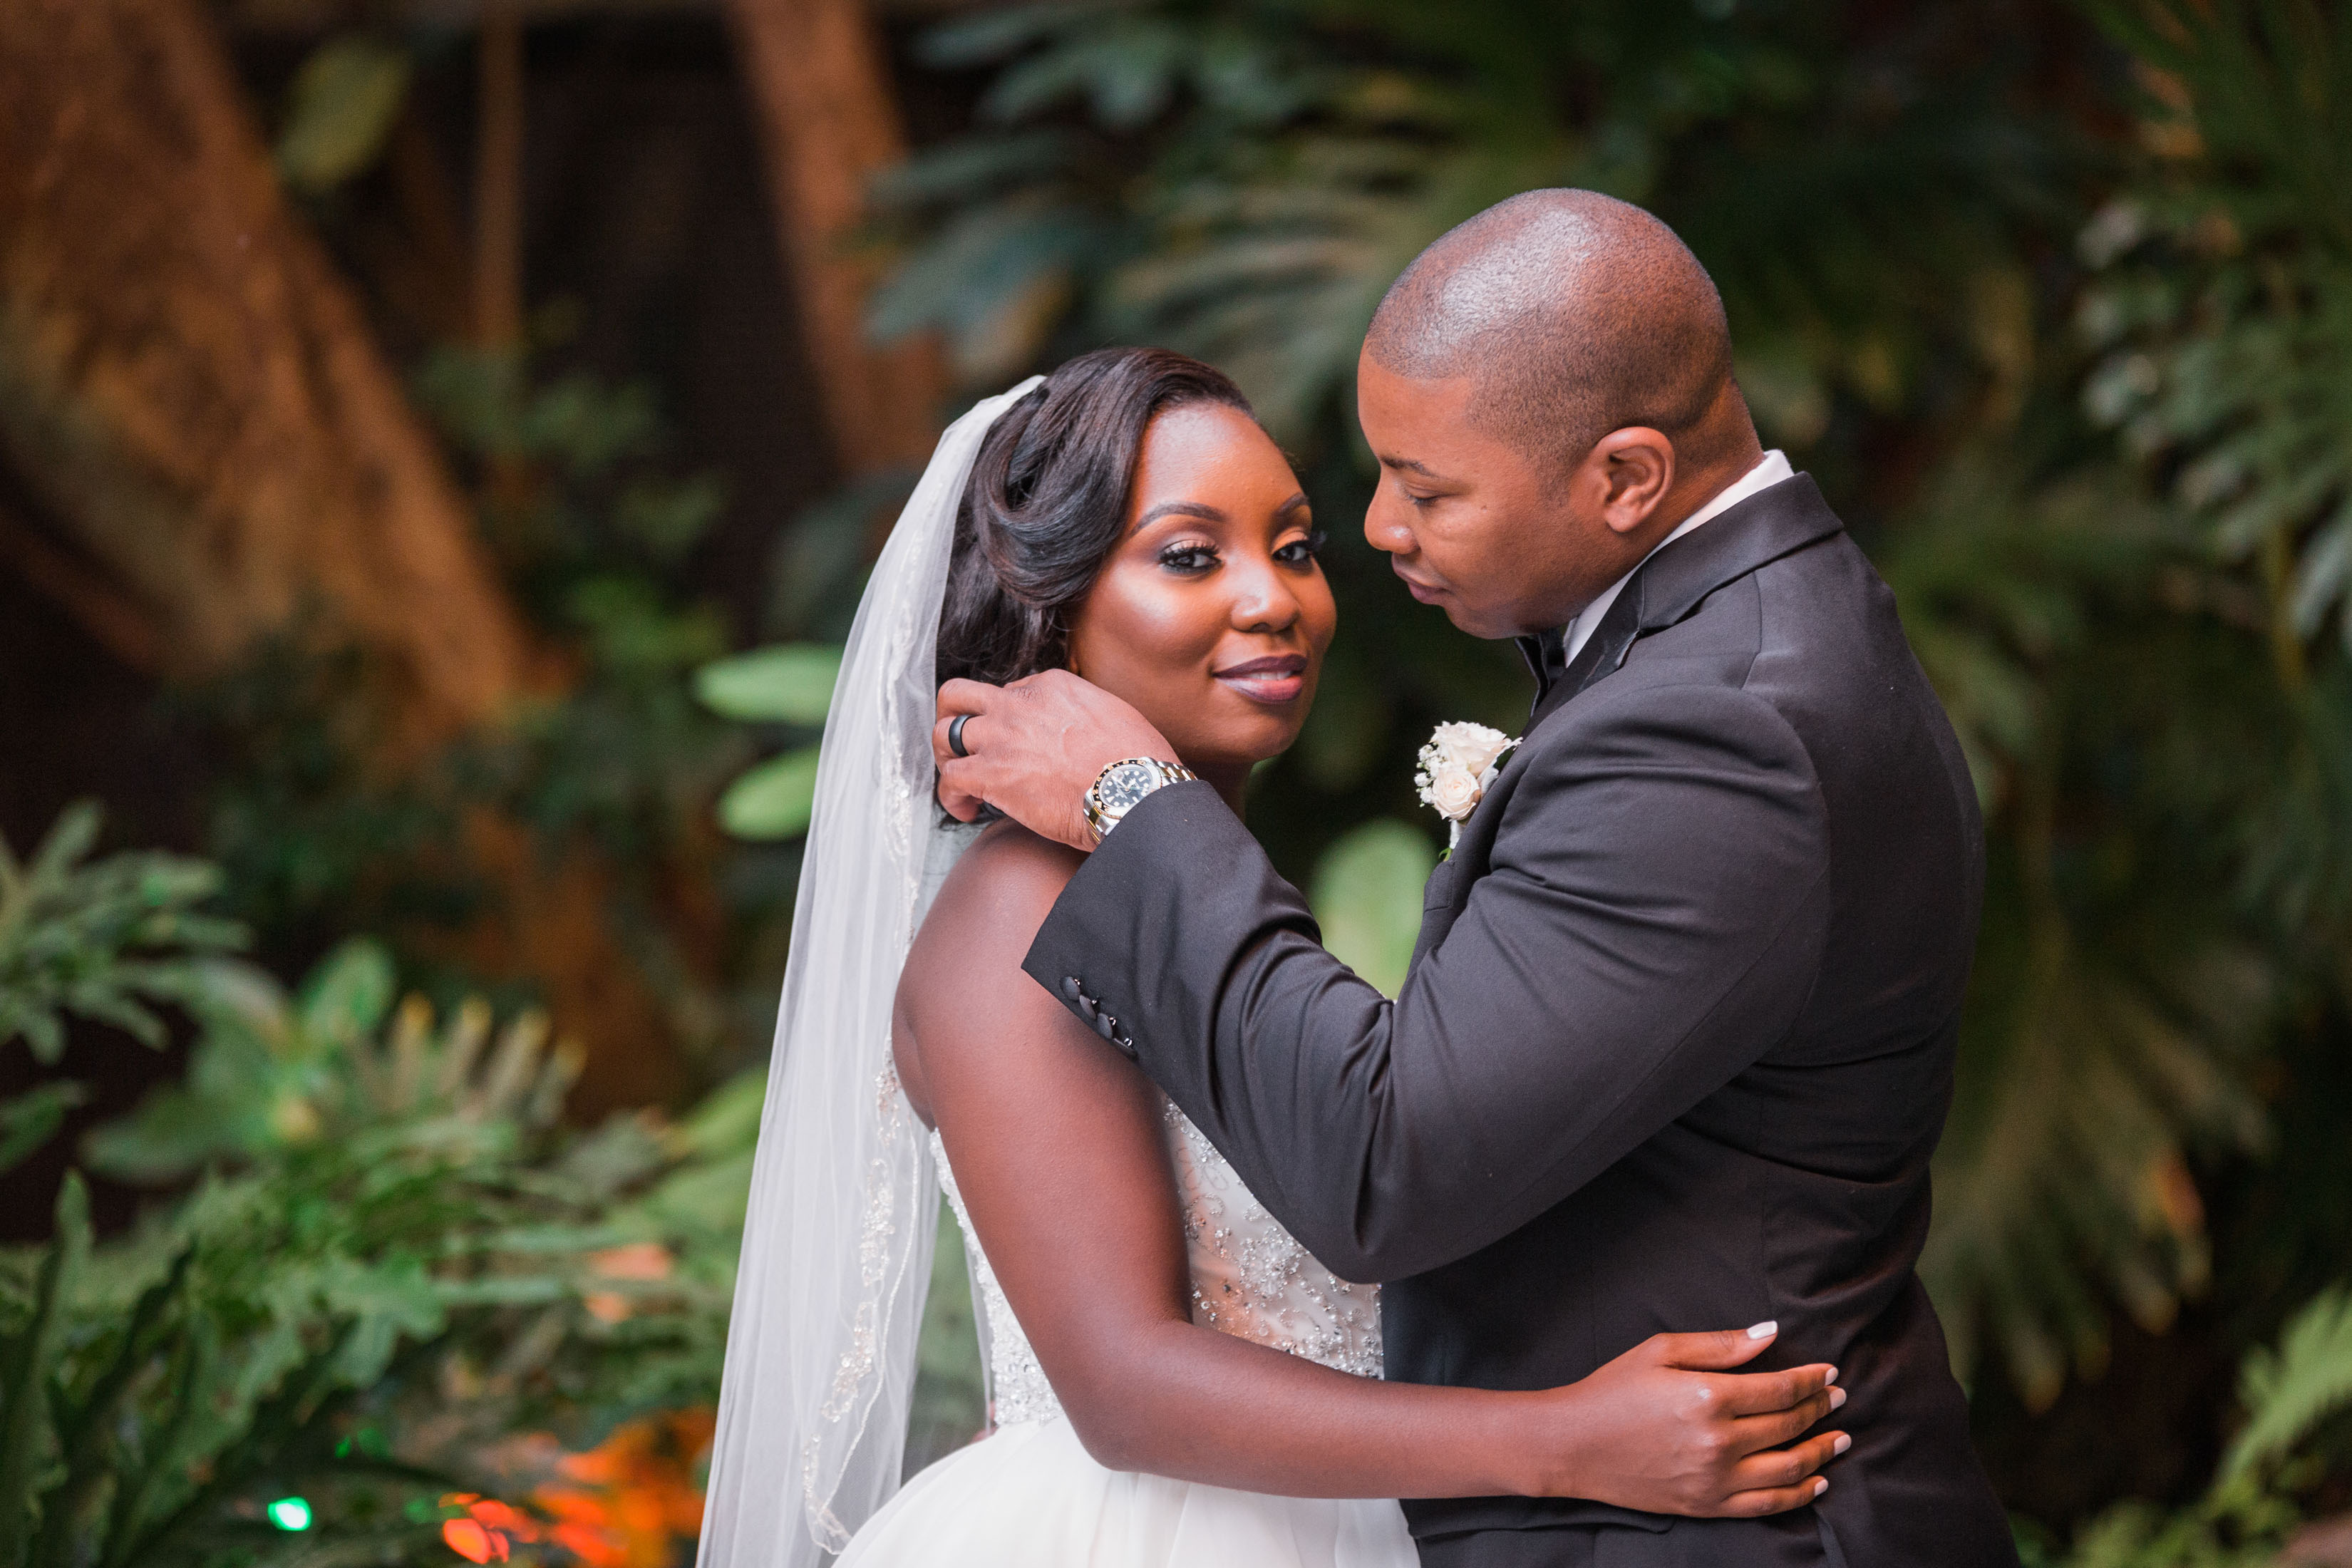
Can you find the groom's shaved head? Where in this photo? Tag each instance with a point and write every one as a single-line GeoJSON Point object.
{"type": "Point", "coordinates": [1577, 314]}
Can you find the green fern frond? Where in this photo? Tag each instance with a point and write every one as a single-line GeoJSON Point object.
{"type": "Point", "coordinates": [2289, 1391]}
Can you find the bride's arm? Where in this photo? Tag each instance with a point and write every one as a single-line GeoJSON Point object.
{"type": "Point", "coordinates": [1059, 1151]}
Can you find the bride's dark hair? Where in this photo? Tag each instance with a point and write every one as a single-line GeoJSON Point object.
{"type": "Point", "coordinates": [1046, 505]}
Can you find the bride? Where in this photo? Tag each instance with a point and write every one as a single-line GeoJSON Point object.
{"type": "Point", "coordinates": [1173, 1379]}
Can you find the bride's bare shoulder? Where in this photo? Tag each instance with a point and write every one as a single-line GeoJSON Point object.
{"type": "Point", "coordinates": [988, 912]}
{"type": "Point", "coordinates": [962, 992]}
{"type": "Point", "coordinates": [1008, 877]}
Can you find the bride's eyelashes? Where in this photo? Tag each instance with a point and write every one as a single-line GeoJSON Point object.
{"type": "Point", "coordinates": [1188, 558]}
{"type": "Point", "coordinates": [1191, 557]}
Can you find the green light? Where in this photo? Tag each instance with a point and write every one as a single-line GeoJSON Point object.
{"type": "Point", "coordinates": [291, 1514]}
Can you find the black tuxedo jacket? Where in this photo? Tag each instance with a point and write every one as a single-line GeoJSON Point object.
{"type": "Point", "coordinates": [1674, 1052]}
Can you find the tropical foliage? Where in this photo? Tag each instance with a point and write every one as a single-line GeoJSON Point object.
{"type": "Point", "coordinates": [391, 1263]}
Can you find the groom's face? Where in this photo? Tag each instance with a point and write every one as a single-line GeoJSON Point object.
{"type": "Point", "coordinates": [1493, 535]}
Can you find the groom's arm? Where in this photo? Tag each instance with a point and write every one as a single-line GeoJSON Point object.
{"type": "Point", "coordinates": [1651, 923]}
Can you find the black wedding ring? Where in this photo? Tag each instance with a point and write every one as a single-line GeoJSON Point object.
{"type": "Point", "coordinates": [955, 734]}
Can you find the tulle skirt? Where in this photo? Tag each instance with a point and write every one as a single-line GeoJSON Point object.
{"type": "Point", "coordinates": [1031, 1497]}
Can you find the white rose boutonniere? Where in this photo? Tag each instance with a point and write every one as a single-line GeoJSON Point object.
{"type": "Point", "coordinates": [1456, 766]}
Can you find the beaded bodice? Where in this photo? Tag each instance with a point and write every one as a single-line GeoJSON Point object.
{"type": "Point", "coordinates": [1249, 1279]}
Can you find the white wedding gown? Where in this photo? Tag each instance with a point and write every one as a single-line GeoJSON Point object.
{"type": "Point", "coordinates": [1029, 1496]}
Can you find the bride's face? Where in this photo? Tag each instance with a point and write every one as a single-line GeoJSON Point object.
{"type": "Point", "coordinates": [1210, 616]}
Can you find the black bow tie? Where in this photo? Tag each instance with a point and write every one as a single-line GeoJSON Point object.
{"type": "Point", "coordinates": [1547, 656]}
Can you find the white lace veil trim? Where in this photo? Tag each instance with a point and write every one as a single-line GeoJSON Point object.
{"type": "Point", "coordinates": [836, 1256]}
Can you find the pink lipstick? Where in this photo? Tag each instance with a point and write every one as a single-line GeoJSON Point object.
{"type": "Point", "coordinates": [1277, 678]}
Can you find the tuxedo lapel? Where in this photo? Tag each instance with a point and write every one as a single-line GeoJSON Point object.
{"type": "Point", "coordinates": [1666, 587]}
{"type": "Point", "coordinates": [1676, 578]}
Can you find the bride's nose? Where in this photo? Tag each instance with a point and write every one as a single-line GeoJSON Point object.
{"type": "Point", "coordinates": [1263, 600]}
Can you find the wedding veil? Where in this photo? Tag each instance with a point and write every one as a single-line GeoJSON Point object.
{"type": "Point", "coordinates": [838, 1241]}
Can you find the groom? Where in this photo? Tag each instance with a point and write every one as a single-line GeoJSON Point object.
{"type": "Point", "coordinates": [1677, 1041]}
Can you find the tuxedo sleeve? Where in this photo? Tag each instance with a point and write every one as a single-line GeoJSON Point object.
{"type": "Point", "coordinates": [1650, 923]}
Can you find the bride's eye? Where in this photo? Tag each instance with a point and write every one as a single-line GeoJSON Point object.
{"type": "Point", "coordinates": [1299, 552]}
{"type": "Point", "coordinates": [1189, 558]}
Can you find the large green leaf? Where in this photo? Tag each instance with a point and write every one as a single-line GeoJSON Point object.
{"type": "Point", "coordinates": [792, 683]}
{"type": "Point", "coordinates": [773, 800]}
{"type": "Point", "coordinates": [1367, 898]}
{"type": "Point", "coordinates": [342, 109]}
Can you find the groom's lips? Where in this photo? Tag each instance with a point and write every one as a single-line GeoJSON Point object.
{"type": "Point", "coordinates": [1426, 593]}
{"type": "Point", "coordinates": [1279, 678]}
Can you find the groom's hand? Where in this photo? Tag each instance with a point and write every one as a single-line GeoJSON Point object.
{"type": "Point", "coordinates": [1035, 747]}
{"type": "Point", "coordinates": [1666, 1428]}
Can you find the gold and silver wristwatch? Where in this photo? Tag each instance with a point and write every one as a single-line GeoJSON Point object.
{"type": "Point", "coordinates": [1121, 786]}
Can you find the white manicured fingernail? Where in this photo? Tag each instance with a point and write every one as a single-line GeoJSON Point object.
{"type": "Point", "coordinates": [1821, 1485]}
{"type": "Point", "coordinates": [1832, 1377]}
{"type": "Point", "coordinates": [1764, 1331]}
{"type": "Point", "coordinates": [1837, 1397]}
{"type": "Point", "coordinates": [1841, 1444]}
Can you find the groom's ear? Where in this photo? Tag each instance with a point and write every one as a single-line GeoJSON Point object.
{"type": "Point", "coordinates": [1629, 471]}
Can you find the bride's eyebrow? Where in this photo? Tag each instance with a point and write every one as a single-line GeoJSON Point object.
{"type": "Point", "coordinates": [1201, 510]}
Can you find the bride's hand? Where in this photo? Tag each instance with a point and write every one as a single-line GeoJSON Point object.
{"type": "Point", "coordinates": [1666, 1428]}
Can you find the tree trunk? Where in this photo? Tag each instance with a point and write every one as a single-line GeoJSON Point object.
{"type": "Point", "coordinates": [497, 181]}
{"type": "Point", "coordinates": [191, 389]}
{"type": "Point", "coordinates": [191, 394]}
{"type": "Point", "coordinates": [828, 122]}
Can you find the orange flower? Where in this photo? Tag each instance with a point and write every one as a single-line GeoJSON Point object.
{"type": "Point", "coordinates": [635, 1497]}
{"type": "Point", "coordinates": [488, 1529]}
{"type": "Point", "coordinates": [471, 1542]}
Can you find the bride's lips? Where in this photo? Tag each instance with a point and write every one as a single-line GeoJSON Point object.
{"type": "Point", "coordinates": [1279, 678]}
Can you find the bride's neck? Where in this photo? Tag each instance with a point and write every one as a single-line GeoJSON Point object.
{"type": "Point", "coordinates": [1231, 782]}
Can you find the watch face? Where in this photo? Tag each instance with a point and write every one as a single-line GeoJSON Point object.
{"type": "Point", "coordinates": [1124, 785]}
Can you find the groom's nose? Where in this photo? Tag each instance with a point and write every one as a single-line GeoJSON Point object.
{"type": "Point", "coordinates": [1384, 528]}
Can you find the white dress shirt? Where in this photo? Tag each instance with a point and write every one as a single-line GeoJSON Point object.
{"type": "Point", "coordinates": [1770, 470]}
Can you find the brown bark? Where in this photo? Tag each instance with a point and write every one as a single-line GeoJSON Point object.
{"type": "Point", "coordinates": [497, 181]}
{"type": "Point", "coordinates": [192, 393]}
{"type": "Point", "coordinates": [828, 122]}
{"type": "Point", "coordinates": [189, 385]}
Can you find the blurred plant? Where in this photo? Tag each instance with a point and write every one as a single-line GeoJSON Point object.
{"type": "Point", "coordinates": [1242, 179]}
{"type": "Point", "coordinates": [341, 110]}
{"type": "Point", "coordinates": [611, 774]}
{"type": "Point", "coordinates": [2115, 1007]}
{"type": "Point", "coordinates": [2248, 1517]}
{"type": "Point", "coordinates": [391, 1260]}
{"type": "Point", "coordinates": [1367, 897]}
{"type": "Point", "coordinates": [788, 686]}
{"type": "Point", "coordinates": [2224, 311]}
{"type": "Point", "coordinates": [634, 1500]}
{"type": "Point", "coordinates": [594, 535]}
{"type": "Point", "coordinates": [105, 941]}
{"type": "Point", "coordinates": [2289, 1391]}
{"type": "Point", "coordinates": [101, 941]}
